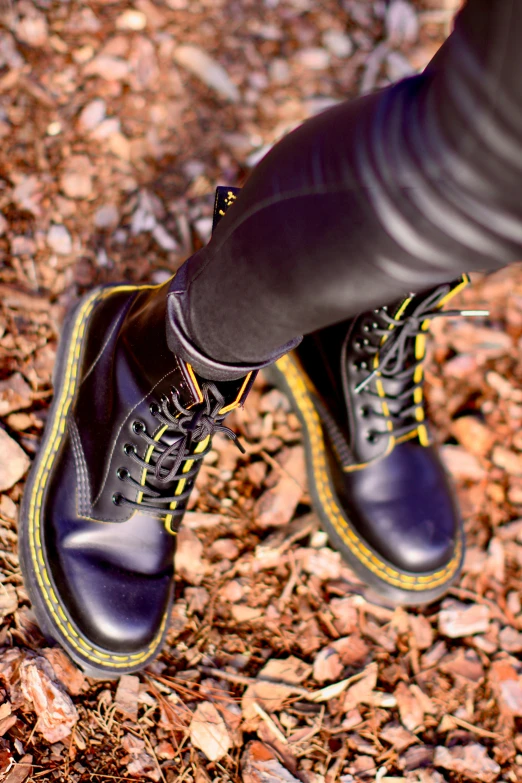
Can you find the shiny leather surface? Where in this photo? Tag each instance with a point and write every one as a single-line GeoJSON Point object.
{"type": "Point", "coordinates": [400, 503]}
{"type": "Point", "coordinates": [112, 565]}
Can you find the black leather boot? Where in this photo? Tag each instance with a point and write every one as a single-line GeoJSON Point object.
{"type": "Point", "coordinates": [377, 482]}
{"type": "Point", "coordinates": [128, 428]}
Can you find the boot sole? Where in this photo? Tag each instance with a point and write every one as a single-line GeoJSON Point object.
{"type": "Point", "coordinates": [385, 583]}
{"type": "Point", "coordinates": [51, 616]}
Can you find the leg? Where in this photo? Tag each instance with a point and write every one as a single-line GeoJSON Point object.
{"type": "Point", "coordinates": [397, 191]}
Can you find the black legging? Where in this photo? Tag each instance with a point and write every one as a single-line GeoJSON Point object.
{"type": "Point", "coordinates": [390, 193]}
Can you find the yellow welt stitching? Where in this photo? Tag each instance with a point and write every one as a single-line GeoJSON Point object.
{"type": "Point", "coordinates": [35, 503]}
{"type": "Point", "coordinates": [320, 471]}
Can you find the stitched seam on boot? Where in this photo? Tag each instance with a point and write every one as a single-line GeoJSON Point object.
{"type": "Point", "coordinates": [355, 544]}
{"type": "Point", "coordinates": [84, 490]}
{"type": "Point", "coordinates": [36, 502]}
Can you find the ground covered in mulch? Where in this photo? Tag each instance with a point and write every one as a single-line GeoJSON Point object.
{"type": "Point", "coordinates": [116, 123]}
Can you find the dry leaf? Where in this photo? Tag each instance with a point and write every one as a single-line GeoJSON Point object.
{"type": "Point", "coordinates": [208, 732]}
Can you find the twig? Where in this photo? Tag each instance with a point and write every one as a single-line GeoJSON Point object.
{"type": "Point", "coordinates": [269, 722]}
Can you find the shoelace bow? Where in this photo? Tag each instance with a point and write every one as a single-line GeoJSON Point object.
{"type": "Point", "coordinates": [195, 425]}
{"type": "Point", "coordinates": [398, 351]}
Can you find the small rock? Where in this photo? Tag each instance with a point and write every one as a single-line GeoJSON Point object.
{"type": "Point", "coordinates": [208, 70]}
{"type": "Point", "coordinates": [32, 27]}
{"type": "Point", "coordinates": [107, 67]}
{"type": "Point", "coordinates": [507, 460]}
{"type": "Point", "coordinates": [131, 20]}
{"type": "Point", "coordinates": [510, 640]}
{"type": "Point", "coordinates": [106, 216]}
{"type": "Point", "coordinates": [224, 549]}
{"type": "Point", "coordinates": [76, 181]}
{"type": "Point", "coordinates": [14, 462]}
{"type": "Point", "coordinates": [457, 619]}
{"type": "Point", "coordinates": [314, 57]}
{"type": "Point", "coordinates": [323, 563]}
{"type": "Point", "coordinates": [402, 25]}
{"type": "Point", "coordinates": [339, 44]}
{"type": "Point", "coordinates": [23, 246]}
{"type": "Point", "coordinates": [461, 464]}
{"type": "Point", "coordinates": [59, 240]}
{"type": "Point", "coordinates": [208, 732]}
{"type": "Point", "coordinates": [471, 761]}
{"type": "Point", "coordinates": [473, 435]}
{"type": "Point", "coordinates": [92, 114]}
{"type": "Point", "coordinates": [246, 614]}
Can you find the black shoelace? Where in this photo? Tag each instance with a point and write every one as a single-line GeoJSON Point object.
{"type": "Point", "coordinates": [397, 360]}
{"type": "Point", "coordinates": [195, 425]}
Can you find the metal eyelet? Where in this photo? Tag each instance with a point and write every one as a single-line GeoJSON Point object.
{"type": "Point", "coordinates": [363, 366]}
{"type": "Point", "coordinates": [358, 344]}
{"type": "Point", "coordinates": [138, 426]}
{"type": "Point", "coordinates": [364, 412]}
{"type": "Point", "coordinates": [129, 449]}
{"type": "Point", "coordinates": [122, 473]}
{"type": "Point", "coordinates": [375, 325]}
{"type": "Point", "coordinates": [370, 437]}
{"type": "Point", "coordinates": [366, 341]}
{"type": "Point", "coordinates": [116, 499]}
{"type": "Point", "coordinates": [366, 328]}
{"type": "Point", "coordinates": [154, 409]}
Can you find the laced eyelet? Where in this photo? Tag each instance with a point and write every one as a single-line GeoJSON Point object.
{"type": "Point", "coordinates": [122, 473]}
{"type": "Point", "coordinates": [128, 449]}
{"type": "Point", "coordinates": [116, 499]}
{"type": "Point", "coordinates": [138, 426]}
{"type": "Point", "coordinates": [154, 409]}
{"type": "Point", "coordinates": [364, 412]}
{"type": "Point", "coordinates": [371, 437]}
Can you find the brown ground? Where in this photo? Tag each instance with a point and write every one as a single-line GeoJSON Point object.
{"type": "Point", "coordinates": [110, 154]}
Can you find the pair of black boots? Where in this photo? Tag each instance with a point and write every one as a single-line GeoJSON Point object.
{"type": "Point", "coordinates": [131, 423]}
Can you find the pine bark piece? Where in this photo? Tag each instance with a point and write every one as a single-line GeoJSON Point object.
{"type": "Point", "coordinates": [259, 765]}
{"type": "Point", "coordinates": [327, 665]}
{"type": "Point", "coordinates": [208, 732]}
{"type": "Point", "coordinates": [410, 708]}
{"type": "Point", "coordinates": [188, 562]}
{"type": "Point", "coordinates": [21, 771]}
{"type": "Point", "coordinates": [277, 505]}
{"type": "Point", "coordinates": [126, 698]}
{"type": "Point", "coordinates": [14, 462]}
{"type": "Point", "coordinates": [56, 712]}
{"type": "Point", "coordinates": [457, 619]}
{"type": "Point", "coordinates": [507, 686]}
{"type": "Point", "coordinates": [15, 393]}
{"type": "Point", "coordinates": [68, 674]}
{"type": "Point", "coordinates": [472, 761]}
